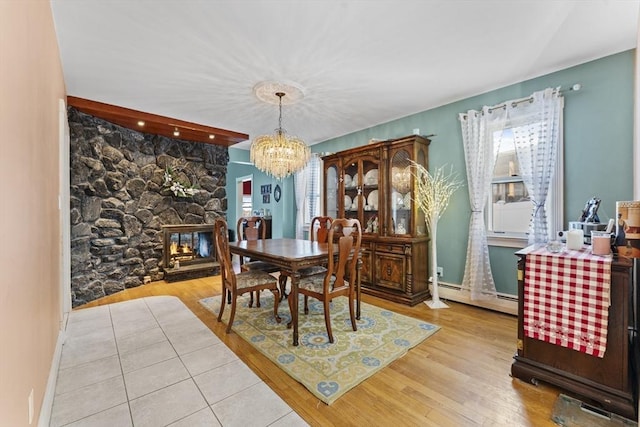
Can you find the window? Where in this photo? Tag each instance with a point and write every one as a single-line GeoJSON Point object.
{"type": "Point", "coordinates": [509, 208]}
{"type": "Point", "coordinates": [312, 199]}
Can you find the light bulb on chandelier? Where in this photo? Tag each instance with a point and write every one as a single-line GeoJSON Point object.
{"type": "Point", "coordinates": [279, 154]}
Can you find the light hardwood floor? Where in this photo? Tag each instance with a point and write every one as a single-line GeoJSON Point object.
{"type": "Point", "coordinates": [458, 377]}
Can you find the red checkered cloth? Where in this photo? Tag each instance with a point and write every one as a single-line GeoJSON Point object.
{"type": "Point", "coordinates": [566, 299]}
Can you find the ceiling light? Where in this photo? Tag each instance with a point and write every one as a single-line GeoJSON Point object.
{"type": "Point", "coordinates": [279, 155]}
{"type": "Point", "coordinates": [212, 137]}
{"type": "Point", "coordinates": [140, 123]}
{"type": "Point", "coordinates": [176, 132]}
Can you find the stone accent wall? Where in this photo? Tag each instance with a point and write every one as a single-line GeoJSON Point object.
{"type": "Point", "coordinates": [119, 202]}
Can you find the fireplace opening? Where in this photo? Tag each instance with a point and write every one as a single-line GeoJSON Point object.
{"type": "Point", "coordinates": [188, 252]}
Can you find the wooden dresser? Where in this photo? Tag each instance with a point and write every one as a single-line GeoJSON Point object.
{"type": "Point", "coordinates": [608, 382]}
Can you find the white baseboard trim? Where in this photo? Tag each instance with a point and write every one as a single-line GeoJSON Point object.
{"type": "Point", "coordinates": [44, 420]}
{"type": "Point", "coordinates": [504, 303]}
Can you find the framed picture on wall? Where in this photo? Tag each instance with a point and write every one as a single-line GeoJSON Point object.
{"type": "Point", "coordinates": [277, 193]}
{"type": "Point", "coordinates": [265, 189]}
{"type": "Point", "coordinates": [266, 198]}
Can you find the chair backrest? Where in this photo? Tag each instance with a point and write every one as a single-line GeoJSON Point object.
{"type": "Point", "coordinates": [322, 223]}
{"type": "Point", "coordinates": [347, 234]}
{"type": "Point", "coordinates": [251, 228]}
{"type": "Point", "coordinates": [221, 239]}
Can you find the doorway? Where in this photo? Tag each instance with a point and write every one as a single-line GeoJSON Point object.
{"type": "Point", "coordinates": [244, 191]}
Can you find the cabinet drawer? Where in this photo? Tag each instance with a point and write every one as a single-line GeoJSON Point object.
{"type": "Point", "coordinates": [391, 248]}
{"type": "Point", "coordinates": [390, 270]}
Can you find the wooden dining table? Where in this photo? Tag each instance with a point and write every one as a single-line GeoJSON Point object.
{"type": "Point", "coordinates": [291, 255]}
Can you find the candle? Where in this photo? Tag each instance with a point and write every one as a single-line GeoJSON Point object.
{"type": "Point", "coordinates": [575, 239]}
{"type": "Point", "coordinates": [600, 243]}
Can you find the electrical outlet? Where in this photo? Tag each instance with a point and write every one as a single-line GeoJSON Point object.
{"type": "Point", "coordinates": [31, 407]}
{"type": "Point", "coordinates": [440, 272]}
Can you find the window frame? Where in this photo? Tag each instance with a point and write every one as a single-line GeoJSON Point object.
{"type": "Point", "coordinates": [314, 162]}
{"type": "Point", "coordinates": [554, 202]}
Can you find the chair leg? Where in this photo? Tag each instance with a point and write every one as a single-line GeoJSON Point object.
{"type": "Point", "coordinates": [327, 319]}
{"type": "Point", "coordinates": [291, 302]}
{"type": "Point", "coordinates": [352, 314]}
{"type": "Point", "coordinates": [282, 281]}
{"type": "Point", "coordinates": [233, 313]}
{"type": "Point", "coordinates": [222, 304]}
{"type": "Point", "coordinates": [276, 303]}
{"type": "Point", "coordinates": [306, 304]}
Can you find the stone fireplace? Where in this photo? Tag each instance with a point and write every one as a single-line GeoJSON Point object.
{"type": "Point", "coordinates": [121, 199]}
{"type": "Point", "coordinates": [188, 252]}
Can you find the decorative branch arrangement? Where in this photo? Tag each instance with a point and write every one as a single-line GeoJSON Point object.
{"type": "Point", "coordinates": [433, 192]}
{"type": "Point", "coordinates": [177, 187]}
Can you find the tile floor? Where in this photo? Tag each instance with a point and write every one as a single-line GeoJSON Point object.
{"type": "Point", "coordinates": [152, 362]}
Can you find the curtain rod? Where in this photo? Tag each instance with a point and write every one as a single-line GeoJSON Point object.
{"type": "Point", "coordinates": [576, 87]}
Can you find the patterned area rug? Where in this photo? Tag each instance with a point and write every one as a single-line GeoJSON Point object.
{"type": "Point", "coordinates": [570, 412]}
{"type": "Point", "coordinates": [326, 370]}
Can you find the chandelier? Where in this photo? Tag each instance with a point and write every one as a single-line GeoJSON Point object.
{"type": "Point", "coordinates": [279, 155]}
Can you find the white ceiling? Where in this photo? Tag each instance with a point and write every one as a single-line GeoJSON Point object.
{"type": "Point", "coordinates": [359, 62]}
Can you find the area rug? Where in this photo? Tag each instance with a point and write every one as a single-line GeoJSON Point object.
{"type": "Point", "coordinates": [326, 370]}
{"type": "Point", "coordinates": [569, 412]}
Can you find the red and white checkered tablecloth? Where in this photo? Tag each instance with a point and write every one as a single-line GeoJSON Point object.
{"type": "Point", "coordinates": [566, 299]}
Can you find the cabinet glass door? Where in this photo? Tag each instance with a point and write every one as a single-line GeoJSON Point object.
{"type": "Point", "coordinates": [351, 190]}
{"type": "Point", "coordinates": [401, 199]}
{"type": "Point", "coordinates": [331, 191]}
{"type": "Point", "coordinates": [371, 199]}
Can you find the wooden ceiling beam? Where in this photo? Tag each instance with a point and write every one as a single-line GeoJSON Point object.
{"type": "Point", "coordinates": [155, 124]}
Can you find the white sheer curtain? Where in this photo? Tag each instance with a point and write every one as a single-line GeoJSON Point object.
{"type": "Point", "coordinates": [478, 128]}
{"type": "Point", "coordinates": [536, 132]}
{"type": "Point", "coordinates": [300, 187]}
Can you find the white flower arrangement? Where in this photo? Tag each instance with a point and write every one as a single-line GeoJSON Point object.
{"type": "Point", "coordinates": [176, 187]}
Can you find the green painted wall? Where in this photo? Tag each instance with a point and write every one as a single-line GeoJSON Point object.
{"type": "Point", "coordinates": [282, 213]}
{"type": "Point", "coordinates": [598, 137]}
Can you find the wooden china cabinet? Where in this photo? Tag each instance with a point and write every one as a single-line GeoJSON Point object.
{"type": "Point", "coordinates": [373, 183]}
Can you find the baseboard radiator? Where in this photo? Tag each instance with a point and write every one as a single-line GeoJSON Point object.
{"type": "Point", "coordinates": [505, 303]}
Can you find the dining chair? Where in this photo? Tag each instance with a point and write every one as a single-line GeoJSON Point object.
{"type": "Point", "coordinates": [240, 283]}
{"type": "Point", "coordinates": [253, 228]}
{"type": "Point", "coordinates": [318, 232]}
{"type": "Point", "coordinates": [340, 276]}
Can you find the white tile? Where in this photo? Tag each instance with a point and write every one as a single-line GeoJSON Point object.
{"type": "Point", "coordinates": [292, 419]}
{"type": "Point", "coordinates": [208, 358]}
{"type": "Point", "coordinates": [267, 407]}
{"type": "Point", "coordinates": [166, 308]}
{"type": "Point", "coordinates": [146, 356]}
{"type": "Point", "coordinates": [154, 377]}
{"type": "Point", "coordinates": [89, 400]}
{"type": "Point", "coordinates": [79, 376]}
{"type": "Point", "coordinates": [116, 416]}
{"type": "Point", "coordinates": [77, 351]}
{"type": "Point", "coordinates": [176, 330]}
{"type": "Point", "coordinates": [90, 335]}
{"type": "Point", "coordinates": [189, 342]}
{"type": "Point", "coordinates": [167, 405]}
{"type": "Point", "coordinates": [220, 383]}
{"type": "Point", "coordinates": [88, 319]}
{"type": "Point", "coordinates": [133, 326]}
{"type": "Point", "coordinates": [139, 340]}
{"type": "Point", "coordinates": [203, 418]}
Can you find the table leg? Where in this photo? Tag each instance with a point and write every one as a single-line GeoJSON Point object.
{"type": "Point", "coordinates": [295, 278]}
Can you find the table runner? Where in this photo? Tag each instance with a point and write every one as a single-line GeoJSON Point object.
{"type": "Point", "coordinates": [566, 299]}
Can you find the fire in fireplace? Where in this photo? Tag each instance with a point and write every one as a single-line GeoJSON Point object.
{"type": "Point", "coordinates": [188, 251]}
